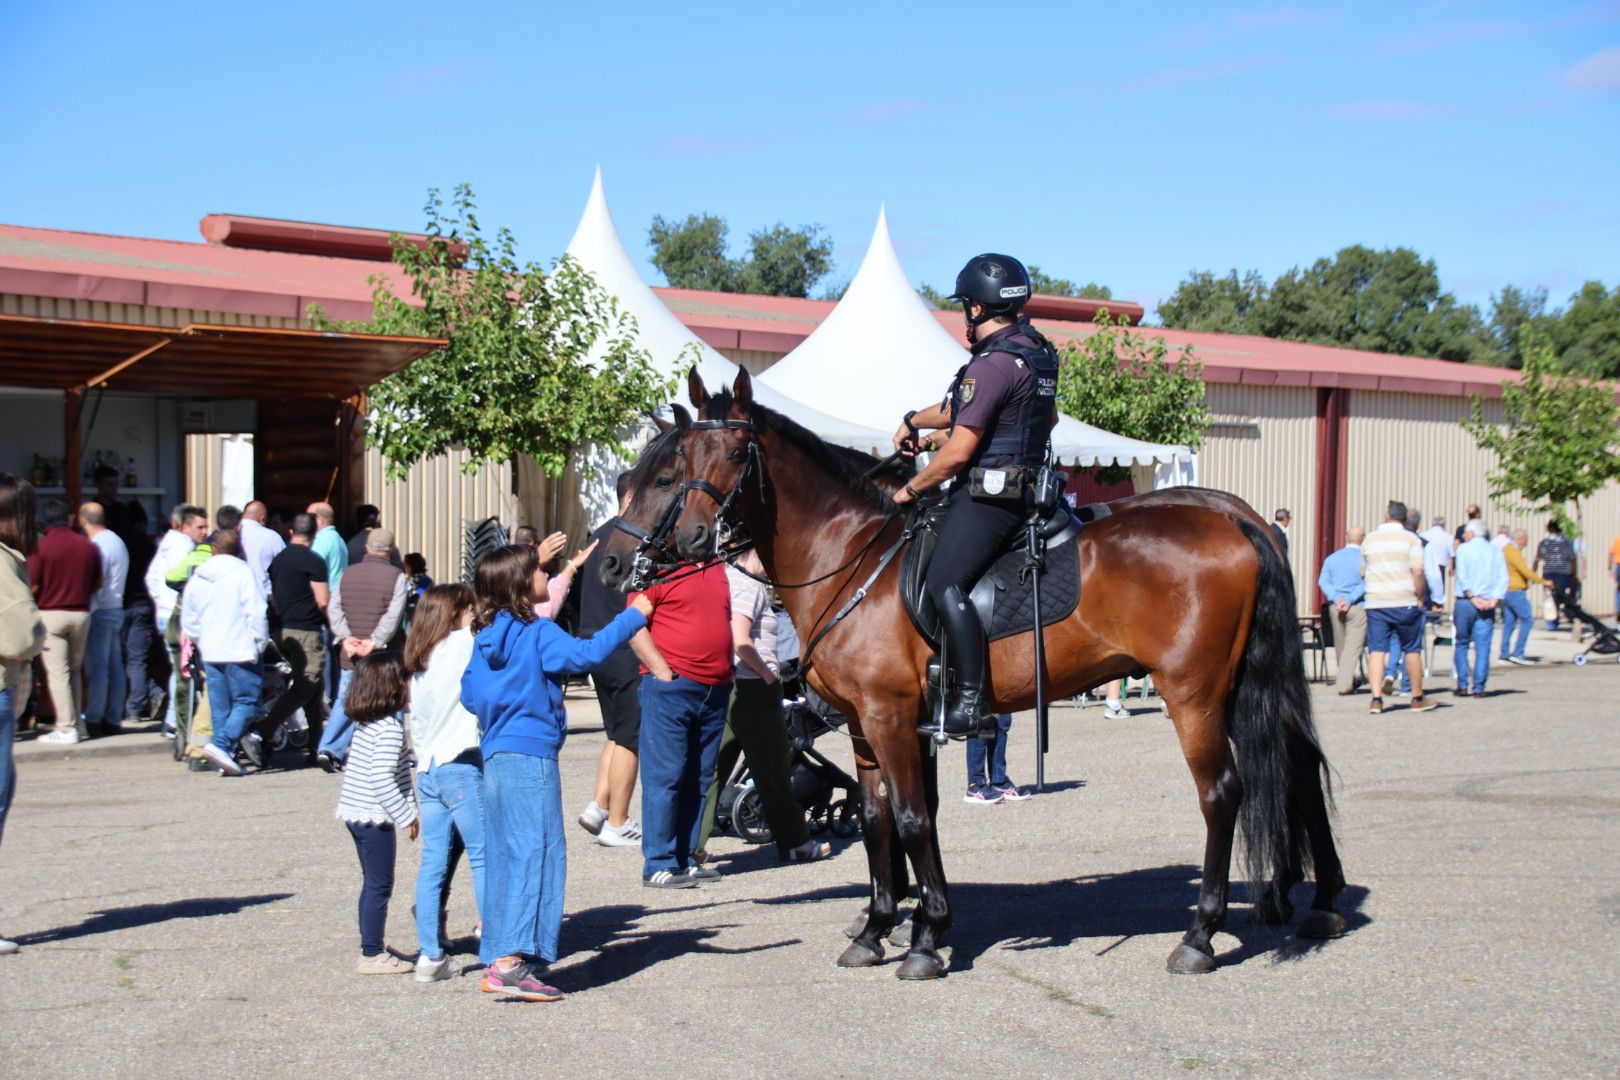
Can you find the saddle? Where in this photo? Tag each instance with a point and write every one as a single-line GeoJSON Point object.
{"type": "Point", "coordinates": [1004, 597]}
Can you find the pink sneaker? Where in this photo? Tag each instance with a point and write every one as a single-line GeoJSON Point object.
{"type": "Point", "coordinates": [519, 981]}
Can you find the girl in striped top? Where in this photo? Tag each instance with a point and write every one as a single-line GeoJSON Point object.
{"type": "Point", "coordinates": [377, 796]}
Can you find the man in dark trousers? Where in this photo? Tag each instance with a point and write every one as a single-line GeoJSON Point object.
{"type": "Point", "coordinates": [1279, 528]}
{"type": "Point", "coordinates": [300, 596]}
{"type": "Point", "coordinates": [617, 684]}
{"type": "Point", "coordinates": [364, 614]}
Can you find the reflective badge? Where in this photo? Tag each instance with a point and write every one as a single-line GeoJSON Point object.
{"type": "Point", "coordinates": [1014, 290]}
{"type": "Point", "coordinates": [995, 481]}
{"type": "Point", "coordinates": [966, 390]}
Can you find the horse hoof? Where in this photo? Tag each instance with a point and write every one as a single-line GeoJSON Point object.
{"type": "Point", "coordinates": [1322, 925]}
{"type": "Point", "coordinates": [900, 936]}
{"type": "Point", "coordinates": [920, 966]}
{"type": "Point", "coordinates": [1186, 960]}
{"type": "Point", "coordinates": [860, 956]}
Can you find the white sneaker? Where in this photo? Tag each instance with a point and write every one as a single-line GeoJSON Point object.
{"type": "Point", "coordinates": [430, 970]}
{"type": "Point", "coordinates": [60, 738]}
{"type": "Point", "coordinates": [626, 835]}
{"type": "Point", "coordinates": [7, 948]}
{"type": "Point", "coordinates": [592, 818]}
{"type": "Point", "coordinates": [222, 761]}
{"type": "Point", "coordinates": [1115, 711]}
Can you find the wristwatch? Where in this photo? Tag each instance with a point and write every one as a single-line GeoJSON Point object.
{"type": "Point", "coordinates": [913, 492]}
{"type": "Point", "coordinates": [906, 420]}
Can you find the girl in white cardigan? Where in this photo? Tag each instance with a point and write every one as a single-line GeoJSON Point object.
{"type": "Point", "coordinates": [449, 769]}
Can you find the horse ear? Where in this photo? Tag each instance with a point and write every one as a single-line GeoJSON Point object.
{"type": "Point", "coordinates": [695, 389]}
{"type": "Point", "coordinates": [742, 391]}
{"type": "Point", "coordinates": [664, 426]}
{"type": "Point", "coordinates": [683, 419]}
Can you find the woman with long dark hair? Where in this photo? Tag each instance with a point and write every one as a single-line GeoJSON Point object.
{"type": "Point", "coordinates": [22, 632]}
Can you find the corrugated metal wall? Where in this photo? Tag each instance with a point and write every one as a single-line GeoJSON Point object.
{"type": "Point", "coordinates": [1261, 446]}
{"type": "Point", "coordinates": [48, 307]}
{"type": "Point", "coordinates": [204, 468]}
{"type": "Point", "coordinates": [1413, 447]}
{"type": "Point", "coordinates": [427, 508]}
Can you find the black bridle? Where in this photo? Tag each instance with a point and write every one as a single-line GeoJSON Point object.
{"type": "Point", "coordinates": [653, 550]}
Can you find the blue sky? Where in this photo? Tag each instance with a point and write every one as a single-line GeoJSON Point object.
{"type": "Point", "coordinates": [1124, 146]}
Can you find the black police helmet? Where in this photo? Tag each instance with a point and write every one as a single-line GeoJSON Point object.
{"type": "Point", "coordinates": [998, 282]}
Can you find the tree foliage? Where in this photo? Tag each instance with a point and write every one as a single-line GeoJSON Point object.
{"type": "Point", "coordinates": [537, 363]}
{"type": "Point", "coordinates": [1560, 437]}
{"type": "Point", "coordinates": [1041, 282]}
{"type": "Point", "coordinates": [1128, 383]}
{"type": "Point", "coordinates": [1381, 301]}
{"type": "Point", "coordinates": [692, 254]}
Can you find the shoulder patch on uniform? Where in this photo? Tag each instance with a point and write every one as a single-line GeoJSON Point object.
{"type": "Point", "coordinates": [967, 390]}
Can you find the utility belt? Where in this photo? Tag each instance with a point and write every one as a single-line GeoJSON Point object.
{"type": "Point", "coordinates": [1036, 486]}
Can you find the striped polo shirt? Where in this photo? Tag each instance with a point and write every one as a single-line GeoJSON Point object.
{"type": "Point", "coordinates": [1388, 556]}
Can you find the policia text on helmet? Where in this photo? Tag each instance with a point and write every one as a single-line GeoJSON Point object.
{"type": "Point", "coordinates": [996, 420]}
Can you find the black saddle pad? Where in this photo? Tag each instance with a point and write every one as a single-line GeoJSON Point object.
{"type": "Point", "coordinates": [1004, 597]}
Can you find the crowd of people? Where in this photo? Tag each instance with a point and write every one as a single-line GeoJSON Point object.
{"type": "Point", "coordinates": [1384, 587]}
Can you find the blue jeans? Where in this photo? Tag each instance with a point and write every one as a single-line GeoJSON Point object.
{"type": "Point", "coordinates": [1474, 627]}
{"type": "Point", "coordinates": [8, 767]}
{"type": "Point", "coordinates": [374, 843]}
{"type": "Point", "coordinates": [233, 699]}
{"type": "Point", "coordinates": [995, 750]}
{"type": "Point", "coordinates": [681, 724]}
{"type": "Point", "coordinates": [138, 636]}
{"type": "Point", "coordinates": [525, 858]}
{"type": "Point", "coordinates": [339, 730]}
{"type": "Point", "coordinates": [104, 669]}
{"type": "Point", "coordinates": [452, 800]}
{"type": "Point", "coordinates": [1516, 612]}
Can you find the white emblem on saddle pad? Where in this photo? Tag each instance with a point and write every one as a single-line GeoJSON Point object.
{"type": "Point", "coordinates": [995, 481]}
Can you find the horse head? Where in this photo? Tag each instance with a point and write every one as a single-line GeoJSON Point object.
{"type": "Point", "coordinates": [686, 485]}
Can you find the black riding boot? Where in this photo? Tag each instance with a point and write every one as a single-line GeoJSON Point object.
{"type": "Point", "coordinates": [965, 649]}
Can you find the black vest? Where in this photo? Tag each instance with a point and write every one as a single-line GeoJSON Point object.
{"type": "Point", "coordinates": [1025, 442]}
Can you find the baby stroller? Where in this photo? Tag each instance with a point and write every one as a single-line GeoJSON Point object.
{"type": "Point", "coordinates": [825, 792]}
{"type": "Point", "coordinates": [1605, 640]}
{"type": "Point", "coordinates": [264, 738]}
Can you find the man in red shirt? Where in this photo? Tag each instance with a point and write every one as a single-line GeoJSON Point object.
{"type": "Point", "coordinates": [685, 653]}
{"type": "Point", "coordinates": [65, 571]}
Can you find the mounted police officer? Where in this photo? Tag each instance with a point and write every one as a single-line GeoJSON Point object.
{"type": "Point", "coordinates": [991, 434]}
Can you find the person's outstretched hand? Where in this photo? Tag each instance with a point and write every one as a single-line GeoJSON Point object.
{"type": "Point", "coordinates": [578, 561]}
{"type": "Point", "coordinates": [551, 547]}
{"type": "Point", "coordinates": [643, 603]}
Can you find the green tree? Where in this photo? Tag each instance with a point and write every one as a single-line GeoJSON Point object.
{"type": "Point", "coordinates": [1041, 282]}
{"type": "Point", "coordinates": [1512, 310]}
{"type": "Point", "coordinates": [1224, 305]}
{"type": "Point", "coordinates": [934, 298]}
{"type": "Point", "coordinates": [1129, 384]}
{"type": "Point", "coordinates": [1587, 333]}
{"type": "Point", "coordinates": [537, 363]}
{"type": "Point", "coordinates": [1382, 301]}
{"type": "Point", "coordinates": [1559, 441]}
{"type": "Point", "coordinates": [692, 254]}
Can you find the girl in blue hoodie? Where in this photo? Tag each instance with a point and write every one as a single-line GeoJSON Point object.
{"type": "Point", "coordinates": [514, 686]}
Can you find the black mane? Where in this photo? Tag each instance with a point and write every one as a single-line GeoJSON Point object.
{"type": "Point", "coordinates": [811, 445]}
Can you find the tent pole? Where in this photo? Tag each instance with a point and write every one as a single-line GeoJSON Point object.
{"type": "Point", "coordinates": [73, 458]}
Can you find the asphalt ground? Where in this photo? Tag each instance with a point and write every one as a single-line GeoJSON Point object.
{"type": "Point", "coordinates": [178, 924]}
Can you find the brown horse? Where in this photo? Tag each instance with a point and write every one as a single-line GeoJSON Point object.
{"type": "Point", "coordinates": [1185, 584]}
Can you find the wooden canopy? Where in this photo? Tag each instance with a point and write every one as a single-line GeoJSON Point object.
{"type": "Point", "coordinates": [199, 360]}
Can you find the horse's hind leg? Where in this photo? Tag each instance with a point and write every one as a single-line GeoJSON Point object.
{"type": "Point", "coordinates": [1322, 920]}
{"type": "Point", "coordinates": [1204, 745]}
{"type": "Point", "coordinates": [886, 863]}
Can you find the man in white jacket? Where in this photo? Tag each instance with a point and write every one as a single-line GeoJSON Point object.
{"type": "Point", "coordinates": [223, 613]}
{"type": "Point", "coordinates": [188, 527]}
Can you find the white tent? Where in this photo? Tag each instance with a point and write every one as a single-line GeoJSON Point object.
{"type": "Point", "coordinates": [597, 247]}
{"type": "Point", "coordinates": [881, 352]}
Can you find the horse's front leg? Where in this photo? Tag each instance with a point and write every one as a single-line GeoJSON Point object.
{"type": "Point", "coordinates": [912, 800]}
{"type": "Point", "coordinates": [885, 863]}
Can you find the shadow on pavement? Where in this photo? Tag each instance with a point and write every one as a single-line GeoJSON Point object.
{"type": "Point", "coordinates": [128, 918]}
{"type": "Point", "coordinates": [622, 949]}
{"type": "Point", "coordinates": [1056, 914]}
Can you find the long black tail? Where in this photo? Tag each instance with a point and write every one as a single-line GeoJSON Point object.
{"type": "Point", "coordinates": [1272, 731]}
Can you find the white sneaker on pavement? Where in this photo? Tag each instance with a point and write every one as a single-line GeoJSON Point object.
{"type": "Point", "coordinates": [626, 835]}
{"type": "Point", "coordinates": [592, 818]}
{"type": "Point", "coordinates": [431, 970]}
{"type": "Point", "coordinates": [1115, 711]}
{"type": "Point", "coordinates": [222, 761]}
{"type": "Point", "coordinates": [7, 948]}
{"type": "Point", "coordinates": [60, 738]}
